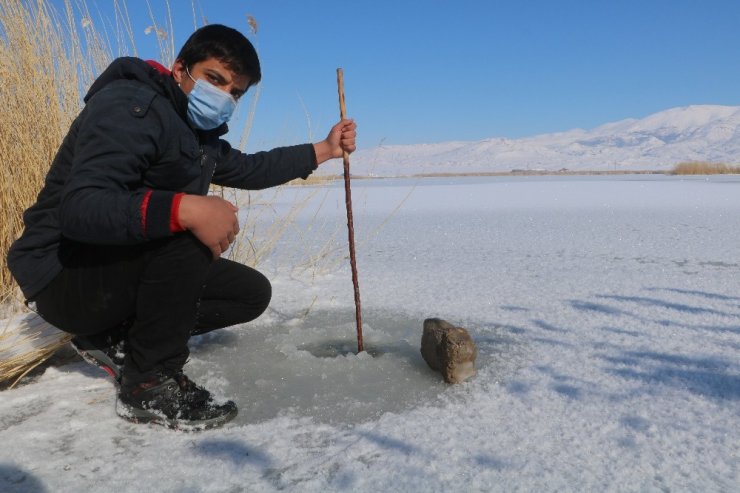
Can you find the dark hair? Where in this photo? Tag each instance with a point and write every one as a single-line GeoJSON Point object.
{"type": "Point", "coordinates": [225, 44]}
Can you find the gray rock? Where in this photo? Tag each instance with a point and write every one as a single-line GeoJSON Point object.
{"type": "Point", "coordinates": [448, 349]}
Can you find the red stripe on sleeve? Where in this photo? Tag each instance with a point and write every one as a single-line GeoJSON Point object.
{"type": "Point", "coordinates": [143, 208]}
{"type": "Point", "coordinates": [175, 226]}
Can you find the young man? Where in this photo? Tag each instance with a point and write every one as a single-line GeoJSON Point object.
{"type": "Point", "coordinates": [123, 245]}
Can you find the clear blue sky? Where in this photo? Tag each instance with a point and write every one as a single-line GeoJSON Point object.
{"type": "Point", "coordinates": [431, 71]}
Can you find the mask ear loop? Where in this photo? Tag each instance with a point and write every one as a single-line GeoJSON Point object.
{"type": "Point", "coordinates": [187, 70]}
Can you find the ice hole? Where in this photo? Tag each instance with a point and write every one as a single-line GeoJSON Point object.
{"type": "Point", "coordinates": [309, 366]}
{"type": "Point", "coordinates": [332, 349]}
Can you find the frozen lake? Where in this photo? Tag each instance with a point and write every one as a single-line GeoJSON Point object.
{"type": "Point", "coordinates": [606, 312]}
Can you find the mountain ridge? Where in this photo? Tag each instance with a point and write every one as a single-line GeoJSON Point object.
{"type": "Point", "coordinates": [656, 142]}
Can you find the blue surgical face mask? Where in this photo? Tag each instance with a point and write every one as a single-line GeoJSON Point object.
{"type": "Point", "coordinates": [208, 106]}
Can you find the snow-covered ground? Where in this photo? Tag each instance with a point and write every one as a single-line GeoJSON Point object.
{"type": "Point", "coordinates": [606, 311]}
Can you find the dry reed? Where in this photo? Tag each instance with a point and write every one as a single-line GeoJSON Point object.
{"type": "Point", "coordinates": [704, 168]}
{"type": "Point", "coordinates": [26, 341]}
{"type": "Point", "coordinates": [46, 59]}
{"type": "Point", "coordinates": [40, 95]}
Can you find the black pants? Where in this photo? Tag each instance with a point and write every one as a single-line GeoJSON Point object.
{"type": "Point", "coordinates": [156, 295]}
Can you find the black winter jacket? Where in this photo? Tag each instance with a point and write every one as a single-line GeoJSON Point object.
{"type": "Point", "coordinates": [125, 157]}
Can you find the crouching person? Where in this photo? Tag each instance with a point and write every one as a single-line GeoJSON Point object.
{"type": "Point", "coordinates": [122, 248]}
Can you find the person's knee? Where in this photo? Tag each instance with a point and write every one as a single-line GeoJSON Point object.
{"type": "Point", "coordinates": [182, 257]}
{"type": "Point", "coordinates": [255, 297]}
{"type": "Point", "coordinates": [189, 247]}
{"type": "Point", "coordinates": [265, 294]}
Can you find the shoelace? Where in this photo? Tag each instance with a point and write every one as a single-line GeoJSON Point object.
{"type": "Point", "coordinates": [192, 392]}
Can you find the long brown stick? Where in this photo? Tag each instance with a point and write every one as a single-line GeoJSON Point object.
{"type": "Point", "coordinates": [350, 225]}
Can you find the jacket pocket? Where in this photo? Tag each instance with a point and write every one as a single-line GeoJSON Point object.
{"type": "Point", "coordinates": [177, 170]}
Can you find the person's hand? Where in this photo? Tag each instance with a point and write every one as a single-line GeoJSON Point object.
{"type": "Point", "coordinates": [211, 219]}
{"type": "Point", "coordinates": [341, 139]}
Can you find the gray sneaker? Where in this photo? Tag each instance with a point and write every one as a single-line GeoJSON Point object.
{"type": "Point", "coordinates": [108, 358]}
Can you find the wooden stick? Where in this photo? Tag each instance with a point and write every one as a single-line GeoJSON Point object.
{"type": "Point", "coordinates": [350, 225]}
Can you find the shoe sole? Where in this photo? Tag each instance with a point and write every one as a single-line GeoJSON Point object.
{"type": "Point", "coordinates": [102, 361]}
{"type": "Point", "coordinates": [143, 416]}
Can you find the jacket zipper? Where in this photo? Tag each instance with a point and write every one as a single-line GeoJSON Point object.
{"type": "Point", "coordinates": [203, 179]}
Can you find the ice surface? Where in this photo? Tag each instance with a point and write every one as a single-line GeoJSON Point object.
{"type": "Point", "coordinates": [606, 312]}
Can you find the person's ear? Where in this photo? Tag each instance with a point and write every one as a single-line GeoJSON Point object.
{"type": "Point", "coordinates": [178, 71]}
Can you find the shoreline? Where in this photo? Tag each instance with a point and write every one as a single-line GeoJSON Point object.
{"type": "Point", "coordinates": [313, 180]}
{"type": "Point", "coordinates": [318, 179]}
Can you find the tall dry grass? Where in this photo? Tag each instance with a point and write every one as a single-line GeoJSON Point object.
{"type": "Point", "coordinates": [704, 168]}
{"type": "Point", "coordinates": [44, 61]}
{"type": "Point", "coordinates": [48, 59]}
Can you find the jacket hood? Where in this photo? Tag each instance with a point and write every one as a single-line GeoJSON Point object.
{"type": "Point", "coordinates": [158, 78]}
{"type": "Point", "coordinates": [150, 73]}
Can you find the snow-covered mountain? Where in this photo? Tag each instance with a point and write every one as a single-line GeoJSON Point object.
{"type": "Point", "coordinates": [656, 142]}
